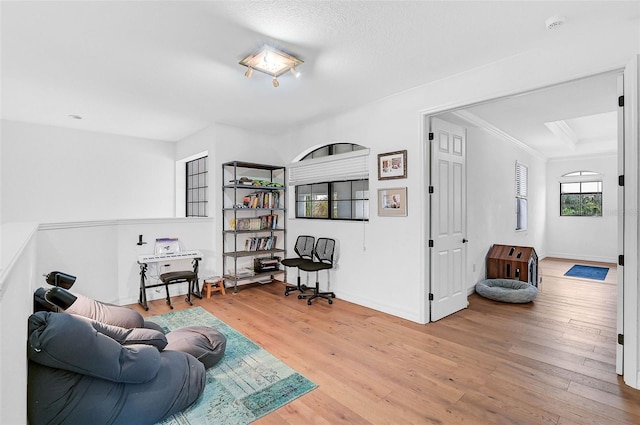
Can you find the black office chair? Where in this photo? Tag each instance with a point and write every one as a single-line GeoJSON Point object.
{"type": "Point", "coordinates": [323, 252]}
{"type": "Point", "coordinates": [304, 249]}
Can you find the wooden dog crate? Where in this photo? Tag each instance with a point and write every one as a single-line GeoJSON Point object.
{"type": "Point", "coordinates": [513, 262]}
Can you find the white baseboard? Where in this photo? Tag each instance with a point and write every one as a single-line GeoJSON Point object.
{"type": "Point", "coordinates": [568, 256]}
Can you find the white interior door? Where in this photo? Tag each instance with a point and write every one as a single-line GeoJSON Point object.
{"type": "Point", "coordinates": [447, 187]}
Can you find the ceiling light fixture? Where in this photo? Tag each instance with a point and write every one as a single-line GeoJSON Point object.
{"type": "Point", "coordinates": [555, 21]}
{"type": "Point", "coordinates": [272, 62]}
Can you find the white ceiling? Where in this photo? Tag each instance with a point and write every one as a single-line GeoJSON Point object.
{"type": "Point", "coordinates": [578, 118]}
{"type": "Point", "coordinates": [166, 69]}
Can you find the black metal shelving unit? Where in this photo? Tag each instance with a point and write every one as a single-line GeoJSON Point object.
{"type": "Point", "coordinates": [250, 192]}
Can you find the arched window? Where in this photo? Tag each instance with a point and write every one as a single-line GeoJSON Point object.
{"type": "Point", "coordinates": [332, 183]}
{"type": "Point", "coordinates": [581, 194]}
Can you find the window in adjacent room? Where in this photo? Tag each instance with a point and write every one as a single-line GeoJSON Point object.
{"type": "Point", "coordinates": [581, 194]}
{"type": "Point", "coordinates": [332, 183]}
{"type": "Point", "coordinates": [522, 183]}
{"type": "Point", "coordinates": [196, 187]}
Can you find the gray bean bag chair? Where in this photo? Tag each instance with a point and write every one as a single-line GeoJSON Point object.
{"type": "Point", "coordinates": [507, 290]}
{"type": "Point", "coordinates": [86, 372]}
{"type": "Point", "coordinates": [204, 343]}
{"type": "Point", "coordinates": [59, 299]}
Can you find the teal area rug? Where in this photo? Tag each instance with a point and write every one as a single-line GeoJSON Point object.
{"type": "Point", "coordinates": [245, 385]}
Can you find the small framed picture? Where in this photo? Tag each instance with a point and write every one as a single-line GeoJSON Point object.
{"type": "Point", "coordinates": [392, 165]}
{"type": "Point", "coordinates": [392, 202]}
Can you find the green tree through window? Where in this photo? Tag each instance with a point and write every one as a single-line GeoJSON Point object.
{"type": "Point", "coordinates": [581, 198]}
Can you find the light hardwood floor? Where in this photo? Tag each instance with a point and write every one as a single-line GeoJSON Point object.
{"type": "Point", "coordinates": [547, 362]}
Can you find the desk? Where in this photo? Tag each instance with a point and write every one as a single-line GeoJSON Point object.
{"type": "Point", "coordinates": [194, 288]}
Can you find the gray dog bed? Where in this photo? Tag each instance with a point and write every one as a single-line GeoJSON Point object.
{"type": "Point", "coordinates": [507, 290]}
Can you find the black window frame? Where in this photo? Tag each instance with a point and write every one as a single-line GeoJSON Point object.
{"type": "Point", "coordinates": [582, 196]}
{"type": "Point", "coordinates": [331, 202]}
{"type": "Point", "coordinates": [196, 187]}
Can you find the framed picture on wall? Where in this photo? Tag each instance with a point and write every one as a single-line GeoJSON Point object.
{"type": "Point", "coordinates": [392, 202]}
{"type": "Point", "coordinates": [392, 165]}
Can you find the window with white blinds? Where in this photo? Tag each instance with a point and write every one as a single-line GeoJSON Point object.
{"type": "Point", "coordinates": [334, 185]}
{"type": "Point", "coordinates": [345, 166]}
{"type": "Point", "coordinates": [522, 183]}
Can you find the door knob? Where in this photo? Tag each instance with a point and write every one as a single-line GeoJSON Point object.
{"type": "Point", "coordinates": [465, 240]}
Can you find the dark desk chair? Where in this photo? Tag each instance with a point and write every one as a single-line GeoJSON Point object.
{"type": "Point", "coordinates": [323, 252]}
{"type": "Point", "coordinates": [304, 249]}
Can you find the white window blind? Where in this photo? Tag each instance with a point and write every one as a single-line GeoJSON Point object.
{"type": "Point", "coordinates": [346, 166]}
{"type": "Point", "coordinates": [522, 180]}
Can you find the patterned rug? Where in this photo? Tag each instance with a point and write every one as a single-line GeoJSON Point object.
{"type": "Point", "coordinates": [588, 272]}
{"type": "Point", "coordinates": [247, 384]}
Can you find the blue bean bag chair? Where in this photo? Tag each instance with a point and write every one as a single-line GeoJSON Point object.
{"type": "Point", "coordinates": [507, 290]}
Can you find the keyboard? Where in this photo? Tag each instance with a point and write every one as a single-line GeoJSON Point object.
{"type": "Point", "coordinates": [155, 258]}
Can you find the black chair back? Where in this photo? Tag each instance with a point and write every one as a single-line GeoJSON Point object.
{"type": "Point", "coordinates": [324, 250]}
{"type": "Point", "coordinates": [304, 246]}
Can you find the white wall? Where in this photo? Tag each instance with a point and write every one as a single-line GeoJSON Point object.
{"type": "Point", "coordinates": [385, 275]}
{"type": "Point", "coordinates": [17, 280]}
{"type": "Point", "coordinates": [226, 143]}
{"type": "Point", "coordinates": [52, 174]}
{"type": "Point", "coordinates": [583, 238]}
{"type": "Point", "coordinates": [491, 217]}
{"type": "Point", "coordinates": [103, 254]}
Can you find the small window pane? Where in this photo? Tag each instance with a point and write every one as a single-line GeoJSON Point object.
{"type": "Point", "coordinates": [342, 209]}
{"type": "Point", "coordinates": [569, 187]}
{"type": "Point", "coordinates": [591, 187]}
{"type": "Point", "coordinates": [360, 189]}
{"type": "Point", "coordinates": [339, 148]}
{"type": "Point", "coordinates": [341, 190]}
{"type": "Point", "coordinates": [521, 214]}
{"type": "Point", "coordinates": [361, 210]}
{"type": "Point", "coordinates": [320, 209]}
{"type": "Point", "coordinates": [320, 152]}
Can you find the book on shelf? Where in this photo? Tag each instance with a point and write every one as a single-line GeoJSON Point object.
{"type": "Point", "coordinates": [263, 222]}
{"type": "Point", "coordinates": [261, 200]}
{"type": "Point", "coordinates": [262, 243]}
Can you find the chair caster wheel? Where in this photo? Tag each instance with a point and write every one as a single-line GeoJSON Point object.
{"type": "Point", "coordinates": [286, 294]}
{"type": "Point", "coordinates": [308, 302]}
{"type": "Point", "coordinates": [299, 297]}
{"type": "Point", "coordinates": [330, 301]}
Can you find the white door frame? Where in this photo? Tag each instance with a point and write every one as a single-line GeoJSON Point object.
{"type": "Point", "coordinates": [631, 369]}
{"type": "Point", "coordinates": [631, 301]}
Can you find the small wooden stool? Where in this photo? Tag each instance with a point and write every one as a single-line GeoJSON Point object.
{"type": "Point", "coordinates": [213, 284]}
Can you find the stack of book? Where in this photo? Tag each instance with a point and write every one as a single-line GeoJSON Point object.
{"type": "Point", "coordinates": [263, 222]}
{"type": "Point", "coordinates": [262, 243]}
{"type": "Point", "coordinates": [261, 200]}
{"type": "Point", "coordinates": [261, 265]}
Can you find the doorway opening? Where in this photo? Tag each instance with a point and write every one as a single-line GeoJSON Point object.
{"type": "Point", "coordinates": [550, 129]}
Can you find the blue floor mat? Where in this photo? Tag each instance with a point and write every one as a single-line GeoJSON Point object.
{"type": "Point", "coordinates": [588, 272]}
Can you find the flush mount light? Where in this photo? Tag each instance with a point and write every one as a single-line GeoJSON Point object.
{"type": "Point", "coordinates": [272, 62]}
{"type": "Point", "coordinates": [555, 21]}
